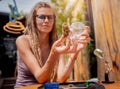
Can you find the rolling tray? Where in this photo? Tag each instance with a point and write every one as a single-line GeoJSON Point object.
{"type": "Point", "coordinates": [77, 85]}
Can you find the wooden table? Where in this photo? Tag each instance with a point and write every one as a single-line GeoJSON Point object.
{"type": "Point", "coordinates": [31, 87]}
{"type": "Point", "coordinates": [115, 85]}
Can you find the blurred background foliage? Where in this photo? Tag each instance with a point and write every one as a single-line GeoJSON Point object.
{"type": "Point", "coordinates": [68, 11]}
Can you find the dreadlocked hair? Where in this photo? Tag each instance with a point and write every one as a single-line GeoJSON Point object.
{"type": "Point", "coordinates": [33, 32]}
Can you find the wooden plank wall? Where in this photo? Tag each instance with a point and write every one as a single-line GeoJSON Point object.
{"type": "Point", "coordinates": [106, 17]}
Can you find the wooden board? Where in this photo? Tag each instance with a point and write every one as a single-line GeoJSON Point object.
{"type": "Point", "coordinates": [106, 16]}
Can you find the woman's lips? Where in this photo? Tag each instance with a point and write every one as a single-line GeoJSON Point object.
{"type": "Point", "coordinates": [46, 27]}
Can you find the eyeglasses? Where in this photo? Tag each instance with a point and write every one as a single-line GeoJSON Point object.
{"type": "Point", "coordinates": [42, 18]}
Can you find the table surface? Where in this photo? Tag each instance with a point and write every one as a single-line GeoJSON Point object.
{"type": "Point", "coordinates": [115, 85]}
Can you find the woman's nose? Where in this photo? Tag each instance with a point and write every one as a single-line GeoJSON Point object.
{"type": "Point", "coordinates": [46, 19]}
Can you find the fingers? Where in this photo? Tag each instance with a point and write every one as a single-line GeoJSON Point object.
{"type": "Point", "coordinates": [60, 40]}
{"type": "Point", "coordinates": [73, 46]}
{"type": "Point", "coordinates": [84, 40]}
{"type": "Point", "coordinates": [81, 46]}
{"type": "Point", "coordinates": [69, 47]}
{"type": "Point", "coordinates": [87, 28]}
{"type": "Point", "coordinates": [63, 48]}
{"type": "Point", "coordinates": [82, 43]}
{"type": "Point", "coordinates": [85, 33]}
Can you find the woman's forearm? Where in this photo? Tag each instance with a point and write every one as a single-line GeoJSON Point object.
{"type": "Point", "coordinates": [47, 69]}
{"type": "Point", "coordinates": [67, 68]}
{"type": "Point", "coordinates": [66, 71]}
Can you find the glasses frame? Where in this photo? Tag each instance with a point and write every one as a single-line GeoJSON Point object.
{"type": "Point", "coordinates": [42, 18]}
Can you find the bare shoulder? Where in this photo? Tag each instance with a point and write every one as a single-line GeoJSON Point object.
{"type": "Point", "coordinates": [22, 41]}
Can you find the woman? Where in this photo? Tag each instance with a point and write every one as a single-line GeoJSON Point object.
{"type": "Point", "coordinates": [41, 53]}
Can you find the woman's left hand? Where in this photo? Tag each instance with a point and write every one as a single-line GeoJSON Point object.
{"type": "Point", "coordinates": [81, 42]}
{"type": "Point", "coordinates": [84, 38]}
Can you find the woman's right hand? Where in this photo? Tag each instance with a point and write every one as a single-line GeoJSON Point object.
{"type": "Point", "coordinates": [63, 45]}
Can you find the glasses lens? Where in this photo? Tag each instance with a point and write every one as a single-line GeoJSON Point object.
{"type": "Point", "coordinates": [50, 18]}
{"type": "Point", "coordinates": [43, 17]}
